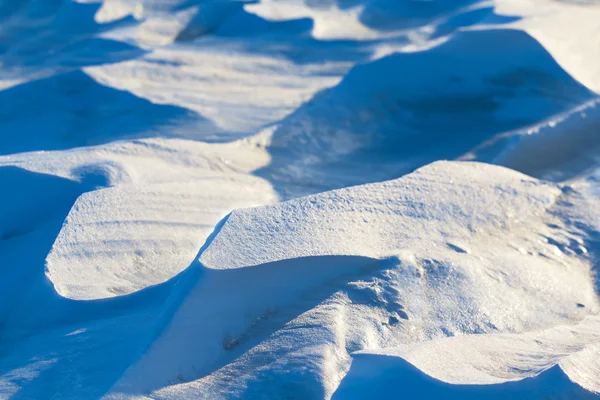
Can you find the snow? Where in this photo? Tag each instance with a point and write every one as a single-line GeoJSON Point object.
{"type": "Point", "coordinates": [467, 373]}
{"type": "Point", "coordinates": [544, 19]}
{"type": "Point", "coordinates": [557, 149]}
{"type": "Point", "coordinates": [493, 83]}
{"type": "Point", "coordinates": [386, 252]}
{"type": "Point", "coordinates": [129, 245]}
{"type": "Point", "coordinates": [302, 199]}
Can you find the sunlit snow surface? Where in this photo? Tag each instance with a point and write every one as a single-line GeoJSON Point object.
{"type": "Point", "coordinates": [299, 199]}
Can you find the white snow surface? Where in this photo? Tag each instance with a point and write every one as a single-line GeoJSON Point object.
{"type": "Point", "coordinates": [403, 261]}
{"type": "Point", "coordinates": [299, 199]}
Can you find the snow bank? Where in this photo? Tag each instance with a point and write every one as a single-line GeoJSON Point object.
{"type": "Point", "coordinates": [460, 280]}
{"type": "Point", "coordinates": [308, 282]}
{"type": "Point", "coordinates": [559, 148]}
{"type": "Point", "coordinates": [119, 240]}
{"type": "Point", "coordinates": [559, 362]}
{"type": "Point", "coordinates": [397, 113]}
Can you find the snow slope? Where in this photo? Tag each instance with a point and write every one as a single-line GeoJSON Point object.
{"type": "Point", "coordinates": [404, 261]}
{"type": "Point", "coordinates": [145, 242]}
{"type": "Point", "coordinates": [557, 363]}
{"type": "Point", "coordinates": [493, 82]}
{"type": "Point", "coordinates": [244, 199]}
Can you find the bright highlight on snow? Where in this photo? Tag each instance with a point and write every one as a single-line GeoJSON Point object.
{"type": "Point", "coordinates": [299, 199]}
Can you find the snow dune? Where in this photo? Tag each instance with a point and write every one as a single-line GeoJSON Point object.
{"type": "Point", "coordinates": [493, 82]}
{"type": "Point", "coordinates": [73, 102]}
{"type": "Point", "coordinates": [147, 241]}
{"type": "Point", "coordinates": [556, 363]}
{"type": "Point", "coordinates": [379, 266]}
{"type": "Point", "coordinates": [245, 199]}
{"type": "Point", "coordinates": [559, 148]}
{"type": "Point", "coordinates": [40, 39]}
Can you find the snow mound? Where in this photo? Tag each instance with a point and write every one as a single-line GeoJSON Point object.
{"type": "Point", "coordinates": [310, 281]}
{"type": "Point", "coordinates": [379, 220]}
{"type": "Point", "coordinates": [544, 19]}
{"type": "Point", "coordinates": [560, 362]}
{"type": "Point", "coordinates": [394, 114]}
{"type": "Point", "coordinates": [119, 240]}
{"type": "Point", "coordinates": [560, 148]}
{"type": "Point", "coordinates": [145, 227]}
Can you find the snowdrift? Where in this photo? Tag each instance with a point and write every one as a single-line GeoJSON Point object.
{"type": "Point", "coordinates": [110, 245]}
{"type": "Point", "coordinates": [559, 148]}
{"type": "Point", "coordinates": [133, 131]}
{"type": "Point", "coordinates": [78, 111]}
{"type": "Point", "coordinates": [384, 268]}
{"type": "Point", "coordinates": [41, 39]}
{"type": "Point", "coordinates": [397, 113]}
{"type": "Point", "coordinates": [554, 363]}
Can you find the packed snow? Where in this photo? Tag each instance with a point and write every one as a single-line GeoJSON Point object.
{"type": "Point", "coordinates": [299, 199]}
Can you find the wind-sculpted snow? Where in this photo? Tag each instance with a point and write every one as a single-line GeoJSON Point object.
{"type": "Point", "coordinates": [77, 111]}
{"type": "Point", "coordinates": [559, 362]}
{"type": "Point", "coordinates": [33, 208]}
{"type": "Point", "coordinates": [400, 112]}
{"type": "Point", "coordinates": [41, 38]}
{"type": "Point", "coordinates": [379, 220]}
{"type": "Point", "coordinates": [561, 147]}
{"type": "Point", "coordinates": [379, 266]}
{"type": "Point", "coordinates": [128, 234]}
{"type": "Point", "coordinates": [137, 238]}
{"type": "Point", "coordinates": [134, 131]}
{"type": "Point", "coordinates": [544, 19]}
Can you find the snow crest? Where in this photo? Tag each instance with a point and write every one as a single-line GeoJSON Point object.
{"type": "Point", "coordinates": [453, 249]}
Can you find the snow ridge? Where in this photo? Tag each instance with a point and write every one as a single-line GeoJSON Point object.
{"type": "Point", "coordinates": [388, 269]}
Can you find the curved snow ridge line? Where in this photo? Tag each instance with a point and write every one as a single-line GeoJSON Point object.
{"type": "Point", "coordinates": [557, 148]}
{"type": "Point", "coordinates": [464, 233]}
{"type": "Point", "coordinates": [110, 245]}
{"type": "Point", "coordinates": [558, 358]}
{"type": "Point", "coordinates": [544, 19]}
{"type": "Point", "coordinates": [363, 130]}
{"type": "Point", "coordinates": [378, 220]}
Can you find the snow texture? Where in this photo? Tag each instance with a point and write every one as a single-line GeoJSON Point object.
{"type": "Point", "coordinates": [299, 199]}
